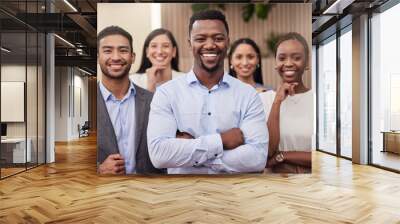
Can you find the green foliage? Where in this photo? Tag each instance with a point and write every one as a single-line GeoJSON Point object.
{"type": "Point", "coordinates": [271, 42]}
{"type": "Point", "coordinates": [247, 12]}
{"type": "Point", "coordinates": [260, 9]}
{"type": "Point", "coordinates": [197, 7]}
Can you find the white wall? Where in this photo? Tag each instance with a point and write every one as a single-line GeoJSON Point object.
{"type": "Point", "coordinates": [33, 127]}
{"type": "Point", "coordinates": [70, 81]}
{"type": "Point", "coordinates": [138, 28]}
{"type": "Point", "coordinates": [12, 73]}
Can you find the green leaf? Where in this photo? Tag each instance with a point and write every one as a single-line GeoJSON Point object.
{"type": "Point", "coordinates": [197, 7]}
{"type": "Point", "coordinates": [247, 12]}
{"type": "Point", "coordinates": [271, 42]}
{"type": "Point", "coordinates": [262, 10]}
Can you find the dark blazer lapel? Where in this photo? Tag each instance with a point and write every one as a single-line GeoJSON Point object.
{"type": "Point", "coordinates": [106, 129]}
{"type": "Point", "coordinates": [140, 111]}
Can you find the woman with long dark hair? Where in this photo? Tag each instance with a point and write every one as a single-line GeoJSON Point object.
{"type": "Point", "coordinates": [245, 63]}
{"type": "Point", "coordinates": [160, 60]}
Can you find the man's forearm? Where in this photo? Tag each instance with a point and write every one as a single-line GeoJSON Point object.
{"type": "Point", "coordinates": [177, 152]}
{"type": "Point", "coordinates": [243, 159]}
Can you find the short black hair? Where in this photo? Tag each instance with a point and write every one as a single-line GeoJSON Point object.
{"type": "Point", "coordinates": [145, 64]}
{"type": "Point", "coordinates": [114, 30]}
{"type": "Point", "coordinates": [257, 76]}
{"type": "Point", "coordinates": [293, 36]}
{"type": "Point", "coordinates": [208, 15]}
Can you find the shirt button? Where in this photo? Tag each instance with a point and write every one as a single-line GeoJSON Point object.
{"type": "Point", "coordinates": [215, 155]}
{"type": "Point", "coordinates": [196, 162]}
{"type": "Point", "coordinates": [209, 113]}
{"type": "Point", "coordinates": [209, 92]}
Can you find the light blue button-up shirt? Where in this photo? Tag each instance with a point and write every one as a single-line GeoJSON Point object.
{"type": "Point", "coordinates": [186, 105]}
{"type": "Point", "coordinates": [122, 116]}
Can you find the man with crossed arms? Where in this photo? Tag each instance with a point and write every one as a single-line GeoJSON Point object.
{"type": "Point", "coordinates": [207, 122]}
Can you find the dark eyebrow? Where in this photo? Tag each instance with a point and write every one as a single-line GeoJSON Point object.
{"type": "Point", "coordinates": [123, 47]}
{"type": "Point", "coordinates": [111, 47]}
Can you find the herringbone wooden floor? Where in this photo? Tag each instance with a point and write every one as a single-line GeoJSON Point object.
{"type": "Point", "coordinates": [69, 191]}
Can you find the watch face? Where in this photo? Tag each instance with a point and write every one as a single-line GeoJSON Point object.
{"type": "Point", "coordinates": [279, 157]}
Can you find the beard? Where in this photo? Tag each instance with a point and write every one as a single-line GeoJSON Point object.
{"type": "Point", "coordinates": [212, 69]}
{"type": "Point", "coordinates": [120, 75]}
{"type": "Point", "coordinates": [216, 66]}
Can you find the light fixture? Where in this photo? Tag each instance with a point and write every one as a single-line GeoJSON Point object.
{"type": "Point", "coordinates": [5, 50]}
{"type": "Point", "coordinates": [84, 71]}
{"type": "Point", "coordinates": [337, 7]}
{"type": "Point", "coordinates": [64, 40]}
{"type": "Point", "coordinates": [70, 5]}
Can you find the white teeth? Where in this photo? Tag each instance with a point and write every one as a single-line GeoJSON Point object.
{"type": "Point", "coordinates": [289, 72]}
{"type": "Point", "coordinates": [209, 55]}
{"type": "Point", "coordinates": [116, 66]}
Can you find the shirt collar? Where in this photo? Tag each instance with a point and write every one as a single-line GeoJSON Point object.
{"type": "Point", "coordinates": [107, 95]}
{"type": "Point", "coordinates": [192, 79]}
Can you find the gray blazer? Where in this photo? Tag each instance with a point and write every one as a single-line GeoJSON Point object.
{"type": "Point", "coordinates": [107, 141]}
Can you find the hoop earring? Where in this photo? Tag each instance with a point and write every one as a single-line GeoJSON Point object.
{"type": "Point", "coordinates": [258, 65]}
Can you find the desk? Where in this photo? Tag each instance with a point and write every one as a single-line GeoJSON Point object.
{"type": "Point", "coordinates": [15, 148]}
{"type": "Point", "coordinates": [391, 141]}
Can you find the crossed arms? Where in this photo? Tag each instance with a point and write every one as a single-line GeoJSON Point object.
{"type": "Point", "coordinates": [242, 149]}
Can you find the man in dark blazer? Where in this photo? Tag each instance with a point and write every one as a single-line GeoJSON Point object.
{"type": "Point", "coordinates": [122, 109]}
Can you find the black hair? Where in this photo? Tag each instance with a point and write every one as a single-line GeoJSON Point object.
{"type": "Point", "coordinates": [257, 76]}
{"type": "Point", "coordinates": [114, 30]}
{"type": "Point", "coordinates": [145, 63]}
{"type": "Point", "coordinates": [293, 36]}
{"type": "Point", "coordinates": [208, 15]}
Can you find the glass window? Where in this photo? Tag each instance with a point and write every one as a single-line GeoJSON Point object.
{"type": "Point", "coordinates": [22, 91]}
{"type": "Point", "coordinates": [327, 96]}
{"type": "Point", "coordinates": [385, 89]}
{"type": "Point", "coordinates": [15, 150]}
{"type": "Point", "coordinates": [346, 93]}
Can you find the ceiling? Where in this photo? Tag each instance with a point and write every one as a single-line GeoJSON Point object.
{"type": "Point", "coordinates": [76, 21]}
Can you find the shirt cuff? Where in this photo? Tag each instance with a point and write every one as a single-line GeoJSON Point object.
{"type": "Point", "coordinates": [214, 145]}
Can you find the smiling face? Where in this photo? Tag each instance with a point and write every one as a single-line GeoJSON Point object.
{"type": "Point", "coordinates": [291, 61]}
{"type": "Point", "coordinates": [160, 51]}
{"type": "Point", "coordinates": [209, 42]}
{"type": "Point", "coordinates": [244, 60]}
{"type": "Point", "coordinates": [115, 56]}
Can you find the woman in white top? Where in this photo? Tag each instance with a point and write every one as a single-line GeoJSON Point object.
{"type": "Point", "coordinates": [290, 109]}
{"type": "Point", "coordinates": [245, 63]}
{"type": "Point", "coordinates": [160, 60]}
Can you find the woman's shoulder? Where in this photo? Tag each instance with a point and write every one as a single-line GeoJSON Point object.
{"type": "Point", "coordinates": [267, 97]}
{"type": "Point", "coordinates": [263, 88]}
{"type": "Point", "coordinates": [176, 74]}
{"type": "Point", "coordinates": [267, 94]}
{"type": "Point", "coordinates": [139, 79]}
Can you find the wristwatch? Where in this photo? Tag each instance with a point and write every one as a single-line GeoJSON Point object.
{"type": "Point", "coordinates": [279, 157]}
